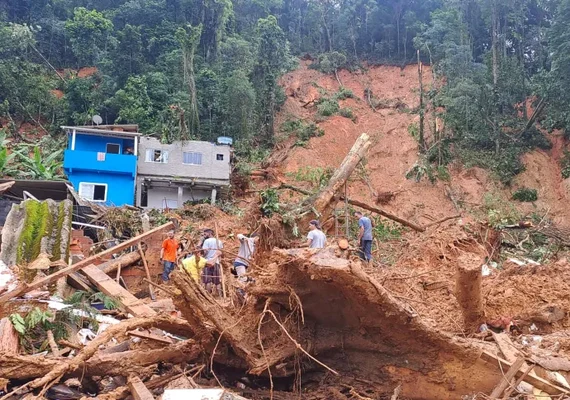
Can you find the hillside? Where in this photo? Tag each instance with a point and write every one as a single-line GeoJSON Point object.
{"type": "Point", "coordinates": [395, 150]}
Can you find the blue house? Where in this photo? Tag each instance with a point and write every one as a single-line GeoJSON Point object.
{"type": "Point", "coordinates": [101, 162]}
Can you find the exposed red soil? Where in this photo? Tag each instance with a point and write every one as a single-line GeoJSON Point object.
{"type": "Point", "coordinates": [86, 72]}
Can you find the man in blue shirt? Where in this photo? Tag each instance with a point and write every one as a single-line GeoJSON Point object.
{"type": "Point", "coordinates": [364, 236]}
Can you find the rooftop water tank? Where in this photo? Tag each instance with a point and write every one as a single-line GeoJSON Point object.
{"type": "Point", "coordinates": [225, 140]}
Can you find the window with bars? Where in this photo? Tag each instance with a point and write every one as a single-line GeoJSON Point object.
{"type": "Point", "coordinates": [192, 158]}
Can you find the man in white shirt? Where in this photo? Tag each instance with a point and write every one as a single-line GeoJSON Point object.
{"type": "Point", "coordinates": [316, 239]}
{"type": "Point", "coordinates": [212, 273]}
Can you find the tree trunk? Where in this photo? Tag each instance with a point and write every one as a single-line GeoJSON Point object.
{"type": "Point", "coordinates": [468, 291]}
{"type": "Point", "coordinates": [323, 202]}
{"type": "Point", "coordinates": [494, 45]}
{"type": "Point", "coordinates": [421, 138]}
{"type": "Point", "coordinates": [122, 262]}
{"type": "Point", "coordinates": [24, 367]}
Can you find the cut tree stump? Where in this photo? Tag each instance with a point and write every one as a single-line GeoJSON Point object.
{"type": "Point", "coordinates": [468, 290]}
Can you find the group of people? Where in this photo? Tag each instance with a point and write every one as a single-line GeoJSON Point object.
{"type": "Point", "coordinates": [316, 238]}
{"type": "Point", "coordinates": [204, 262]}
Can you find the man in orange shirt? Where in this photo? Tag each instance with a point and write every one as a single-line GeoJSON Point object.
{"type": "Point", "coordinates": [168, 255]}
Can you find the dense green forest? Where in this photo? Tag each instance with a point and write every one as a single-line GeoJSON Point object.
{"type": "Point", "coordinates": [206, 68]}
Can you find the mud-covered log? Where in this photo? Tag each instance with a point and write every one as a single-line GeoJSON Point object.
{"type": "Point", "coordinates": [385, 214]}
{"type": "Point", "coordinates": [22, 367]}
{"type": "Point", "coordinates": [468, 290]}
{"type": "Point", "coordinates": [322, 202]}
{"type": "Point", "coordinates": [123, 261]}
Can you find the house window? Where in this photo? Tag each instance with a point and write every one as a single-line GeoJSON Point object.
{"type": "Point", "coordinates": [113, 148]}
{"type": "Point", "coordinates": [93, 191]}
{"type": "Point", "coordinates": [220, 157]}
{"type": "Point", "coordinates": [192, 158]}
{"type": "Point", "coordinates": [157, 156]}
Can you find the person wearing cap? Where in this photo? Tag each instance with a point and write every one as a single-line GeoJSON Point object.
{"type": "Point", "coordinates": [316, 239]}
{"type": "Point", "coordinates": [212, 273]}
{"type": "Point", "coordinates": [168, 255]}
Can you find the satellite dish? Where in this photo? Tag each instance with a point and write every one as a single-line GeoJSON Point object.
{"type": "Point", "coordinates": [97, 119]}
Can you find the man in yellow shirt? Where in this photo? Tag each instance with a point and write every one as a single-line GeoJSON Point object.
{"type": "Point", "coordinates": [194, 265]}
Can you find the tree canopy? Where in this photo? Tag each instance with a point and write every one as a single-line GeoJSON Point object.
{"type": "Point", "coordinates": [205, 68]}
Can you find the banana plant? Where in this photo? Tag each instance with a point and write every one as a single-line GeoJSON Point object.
{"type": "Point", "coordinates": [38, 167]}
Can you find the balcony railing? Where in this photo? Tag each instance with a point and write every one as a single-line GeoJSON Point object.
{"type": "Point", "coordinates": [103, 162]}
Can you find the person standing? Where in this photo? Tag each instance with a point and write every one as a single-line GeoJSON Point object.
{"type": "Point", "coordinates": [364, 236]}
{"type": "Point", "coordinates": [316, 239]}
{"type": "Point", "coordinates": [168, 255]}
{"type": "Point", "coordinates": [245, 252]}
{"type": "Point", "coordinates": [212, 273]}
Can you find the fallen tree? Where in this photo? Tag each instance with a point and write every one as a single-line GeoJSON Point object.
{"type": "Point", "coordinates": [22, 367]}
{"type": "Point", "coordinates": [328, 311]}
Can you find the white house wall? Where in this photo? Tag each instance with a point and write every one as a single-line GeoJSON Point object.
{"type": "Point", "coordinates": [211, 168]}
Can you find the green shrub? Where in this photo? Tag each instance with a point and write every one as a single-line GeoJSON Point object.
{"type": "Point", "coordinates": [414, 130]}
{"type": "Point", "coordinates": [525, 195]}
{"type": "Point", "coordinates": [343, 94]}
{"type": "Point", "coordinates": [317, 176]}
{"type": "Point", "coordinates": [270, 202]}
{"type": "Point", "coordinates": [346, 113]}
{"type": "Point", "coordinates": [327, 107]}
{"type": "Point", "coordinates": [303, 130]}
{"type": "Point", "coordinates": [385, 230]}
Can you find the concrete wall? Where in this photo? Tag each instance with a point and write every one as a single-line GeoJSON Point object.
{"type": "Point", "coordinates": [120, 188]}
{"type": "Point", "coordinates": [211, 168]}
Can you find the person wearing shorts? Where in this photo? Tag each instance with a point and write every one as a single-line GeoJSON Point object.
{"type": "Point", "coordinates": [212, 273]}
{"type": "Point", "coordinates": [245, 252]}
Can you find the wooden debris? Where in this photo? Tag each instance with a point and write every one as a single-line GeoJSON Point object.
{"type": "Point", "coordinates": [385, 214]}
{"type": "Point", "coordinates": [24, 288]}
{"type": "Point", "coordinates": [147, 271]}
{"type": "Point", "coordinates": [139, 390]}
{"type": "Point", "coordinates": [111, 288]}
{"type": "Point", "coordinates": [9, 339]}
{"type": "Point", "coordinates": [150, 336]}
{"type": "Point", "coordinates": [123, 261]}
{"type": "Point", "coordinates": [52, 343]}
{"type": "Point", "coordinates": [506, 380]}
{"type": "Point", "coordinates": [323, 202]}
{"type": "Point", "coordinates": [91, 348]}
{"type": "Point", "coordinates": [535, 381]}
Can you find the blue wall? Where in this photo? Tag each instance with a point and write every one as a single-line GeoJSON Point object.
{"type": "Point", "coordinates": [98, 143]}
{"type": "Point", "coordinates": [120, 188]}
{"type": "Point", "coordinates": [117, 171]}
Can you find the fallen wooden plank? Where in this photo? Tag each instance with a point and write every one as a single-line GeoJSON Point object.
{"type": "Point", "coordinates": [506, 381]}
{"type": "Point", "coordinates": [24, 288]}
{"type": "Point", "coordinates": [139, 390]}
{"type": "Point", "coordinates": [535, 381]}
{"type": "Point", "coordinates": [77, 281]}
{"type": "Point", "coordinates": [110, 287]}
{"type": "Point", "coordinates": [121, 262]}
{"type": "Point", "coordinates": [150, 336]}
{"type": "Point", "coordinates": [143, 258]}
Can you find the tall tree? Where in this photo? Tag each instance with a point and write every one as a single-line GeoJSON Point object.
{"type": "Point", "coordinates": [189, 39]}
{"type": "Point", "coordinates": [89, 32]}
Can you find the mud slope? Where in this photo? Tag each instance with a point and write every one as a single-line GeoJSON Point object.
{"type": "Point", "coordinates": [394, 150]}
